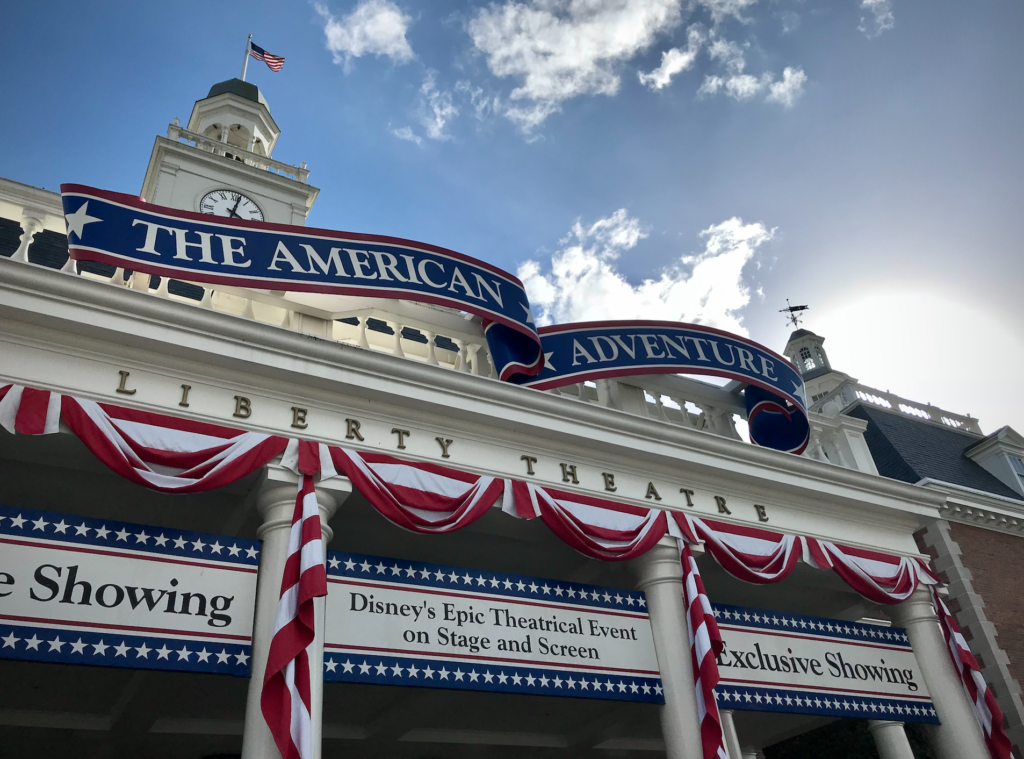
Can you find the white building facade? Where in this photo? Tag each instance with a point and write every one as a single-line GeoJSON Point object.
{"type": "Point", "coordinates": [414, 382]}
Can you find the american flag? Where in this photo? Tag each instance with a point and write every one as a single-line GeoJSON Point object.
{"type": "Point", "coordinates": [274, 62]}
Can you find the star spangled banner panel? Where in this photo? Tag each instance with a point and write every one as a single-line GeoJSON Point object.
{"type": "Point", "coordinates": [80, 590]}
{"type": "Point", "coordinates": [122, 230]}
{"type": "Point", "coordinates": [775, 661]}
{"type": "Point", "coordinates": [587, 351]}
{"type": "Point", "coordinates": [397, 622]}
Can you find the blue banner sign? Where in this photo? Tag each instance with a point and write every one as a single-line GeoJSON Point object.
{"type": "Point", "coordinates": [125, 231]}
{"type": "Point", "coordinates": [776, 404]}
{"type": "Point", "coordinates": [399, 622]}
{"type": "Point", "coordinates": [79, 590]}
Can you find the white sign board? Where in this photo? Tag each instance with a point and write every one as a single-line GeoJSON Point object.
{"type": "Point", "coordinates": [775, 661]}
{"type": "Point", "coordinates": [401, 622]}
{"type": "Point", "coordinates": [90, 591]}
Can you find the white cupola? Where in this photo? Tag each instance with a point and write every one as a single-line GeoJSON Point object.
{"type": "Point", "coordinates": [236, 113]}
{"type": "Point", "coordinates": [807, 351]}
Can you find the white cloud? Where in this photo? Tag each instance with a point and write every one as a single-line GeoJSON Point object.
{"type": "Point", "coordinates": [788, 89]}
{"type": "Point", "coordinates": [436, 108]}
{"type": "Point", "coordinates": [739, 85]}
{"type": "Point", "coordinates": [480, 101]}
{"type": "Point", "coordinates": [675, 61]}
{"type": "Point", "coordinates": [881, 19]}
{"type": "Point", "coordinates": [561, 49]}
{"type": "Point", "coordinates": [375, 27]}
{"type": "Point", "coordinates": [406, 133]}
{"type": "Point", "coordinates": [583, 283]}
{"type": "Point", "coordinates": [722, 9]}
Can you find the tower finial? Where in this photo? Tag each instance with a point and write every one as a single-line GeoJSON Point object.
{"type": "Point", "coordinates": [793, 314]}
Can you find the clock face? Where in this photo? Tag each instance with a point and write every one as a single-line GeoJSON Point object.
{"type": "Point", "coordinates": [232, 204]}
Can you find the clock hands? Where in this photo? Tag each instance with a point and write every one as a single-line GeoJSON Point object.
{"type": "Point", "coordinates": [232, 211]}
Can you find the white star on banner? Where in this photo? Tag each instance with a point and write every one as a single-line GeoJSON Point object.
{"type": "Point", "coordinates": [657, 689]}
{"type": "Point", "coordinates": [234, 550]}
{"type": "Point", "coordinates": [78, 647]}
{"type": "Point", "coordinates": [366, 566]}
{"type": "Point", "coordinates": [179, 542]}
{"type": "Point", "coordinates": [183, 654]}
{"type": "Point", "coordinates": [17, 521]}
{"type": "Point", "coordinates": [547, 361]}
{"type": "Point", "coordinates": [364, 668]}
{"type": "Point", "coordinates": [798, 391]}
{"type": "Point", "coordinates": [502, 678]}
{"type": "Point", "coordinates": [381, 569]}
{"type": "Point", "coordinates": [507, 583]}
{"type": "Point", "coordinates": [646, 689]}
{"type": "Point", "coordinates": [331, 665]}
{"type": "Point", "coordinates": [39, 524]}
{"type": "Point", "coordinates": [122, 535]}
{"type": "Point", "coordinates": [396, 670]}
{"type": "Point", "coordinates": [443, 673]}
{"type": "Point", "coordinates": [250, 553]}
{"type": "Point", "coordinates": [161, 541]}
{"type": "Point", "coordinates": [61, 527]}
{"type": "Point", "coordinates": [242, 658]}
{"type": "Point", "coordinates": [439, 575]}
{"type": "Point", "coordinates": [163, 652]}
{"type": "Point", "coordinates": [544, 681]}
{"type": "Point", "coordinates": [453, 577]}
{"type": "Point", "coordinates": [530, 680]}
{"type": "Point", "coordinates": [223, 657]}
{"type": "Point", "coordinates": [410, 572]}
{"type": "Point", "coordinates": [396, 570]}
{"type": "Point", "coordinates": [142, 537]}
{"type": "Point", "coordinates": [55, 644]}
{"type": "Point", "coordinates": [413, 671]}
{"type": "Point", "coordinates": [571, 683]}
{"type": "Point", "coordinates": [122, 650]}
{"type": "Point", "coordinates": [558, 681]}
{"type": "Point", "coordinates": [99, 649]}
{"type": "Point", "coordinates": [76, 221]}
{"type": "Point", "coordinates": [558, 590]}
{"type": "Point", "coordinates": [198, 545]}
{"type": "Point", "coordinates": [481, 580]}
{"type": "Point", "coordinates": [102, 532]}
{"type": "Point", "coordinates": [459, 673]}
{"type": "Point", "coordinates": [10, 640]}
{"type": "Point", "coordinates": [216, 547]}
{"type": "Point", "coordinates": [467, 579]}
{"type": "Point", "coordinates": [521, 586]}
{"type": "Point", "coordinates": [473, 676]}
{"type": "Point", "coordinates": [516, 679]}
{"type": "Point", "coordinates": [488, 677]}
{"type": "Point", "coordinates": [203, 656]}
{"type": "Point", "coordinates": [350, 565]}
{"type": "Point", "coordinates": [428, 673]}
{"type": "Point", "coordinates": [143, 651]}
{"type": "Point", "coordinates": [533, 587]}
{"type": "Point", "coordinates": [381, 669]}
{"type": "Point", "coordinates": [572, 592]}
{"type": "Point", "coordinates": [529, 313]}
{"type": "Point", "coordinates": [347, 666]}
{"type": "Point", "coordinates": [494, 582]}
{"type": "Point", "coordinates": [333, 563]}
{"type": "Point", "coordinates": [32, 643]}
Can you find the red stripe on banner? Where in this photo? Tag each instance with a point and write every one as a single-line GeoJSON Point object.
{"type": "Point", "coordinates": [198, 462]}
{"type": "Point", "coordinates": [4, 391]}
{"type": "Point", "coordinates": [31, 418]}
{"type": "Point", "coordinates": [288, 665]}
{"type": "Point", "coordinates": [424, 466]}
{"type": "Point", "coordinates": [170, 422]}
{"type": "Point", "coordinates": [107, 451]}
{"type": "Point", "coordinates": [990, 717]}
{"type": "Point", "coordinates": [705, 646]}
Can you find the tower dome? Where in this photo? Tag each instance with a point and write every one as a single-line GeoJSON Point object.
{"type": "Point", "coordinates": [235, 112]}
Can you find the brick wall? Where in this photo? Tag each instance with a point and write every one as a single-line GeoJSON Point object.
{"type": "Point", "coordinates": [995, 561]}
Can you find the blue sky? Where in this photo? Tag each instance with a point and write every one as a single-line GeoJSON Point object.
{"type": "Point", "coordinates": [862, 157]}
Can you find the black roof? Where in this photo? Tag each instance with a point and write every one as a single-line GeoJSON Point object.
{"type": "Point", "coordinates": [908, 449]}
{"type": "Point", "coordinates": [801, 333]}
{"type": "Point", "coordinates": [247, 90]}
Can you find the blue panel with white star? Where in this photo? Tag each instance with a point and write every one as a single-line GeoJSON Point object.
{"type": "Point", "coordinates": [71, 644]}
{"type": "Point", "coordinates": [424, 671]}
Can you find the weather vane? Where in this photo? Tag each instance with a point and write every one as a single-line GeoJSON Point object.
{"type": "Point", "coordinates": [793, 314]}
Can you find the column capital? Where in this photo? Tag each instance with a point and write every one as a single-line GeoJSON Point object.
{"type": "Point", "coordinates": [919, 607]}
{"type": "Point", "coordinates": [660, 565]}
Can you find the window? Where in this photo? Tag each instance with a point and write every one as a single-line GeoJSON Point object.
{"type": "Point", "coordinates": [807, 359]}
{"type": "Point", "coordinates": [1018, 466]}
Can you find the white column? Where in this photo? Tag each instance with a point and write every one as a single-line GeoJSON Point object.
{"type": "Point", "coordinates": [732, 738]}
{"type": "Point", "coordinates": [276, 504]}
{"type": "Point", "coordinates": [661, 578]}
{"type": "Point", "coordinates": [959, 736]}
{"type": "Point", "coordinates": [890, 739]}
{"type": "Point", "coordinates": [31, 225]}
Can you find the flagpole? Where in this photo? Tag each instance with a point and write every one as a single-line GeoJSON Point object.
{"type": "Point", "coordinates": [245, 62]}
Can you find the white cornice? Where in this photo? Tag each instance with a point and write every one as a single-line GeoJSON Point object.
{"type": "Point", "coordinates": [135, 320]}
{"type": "Point", "coordinates": [978, 508]}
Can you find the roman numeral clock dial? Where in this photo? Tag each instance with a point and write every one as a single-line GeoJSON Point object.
{"type": "Point", "coordinates": [232, 204]}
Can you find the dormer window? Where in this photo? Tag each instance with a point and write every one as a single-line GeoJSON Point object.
{"type": "Point", "coordinates": [807, 359]}
{"type": "Point", "coordinates": [1018, 467]}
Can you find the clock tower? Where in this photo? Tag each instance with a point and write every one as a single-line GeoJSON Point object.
{"type": "Point", "coordinates": [221, 163]}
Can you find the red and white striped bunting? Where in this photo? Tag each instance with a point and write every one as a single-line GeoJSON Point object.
{"type": "Point", "coordinates": [705, 645]}
{"type": "Point", "coordinates": [986, 710]}
{"type": "Point", "coordinates": [286, 700]}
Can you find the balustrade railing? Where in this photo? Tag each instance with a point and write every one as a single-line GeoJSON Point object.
{"type": "Point", "coordinates": [210, 145]}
